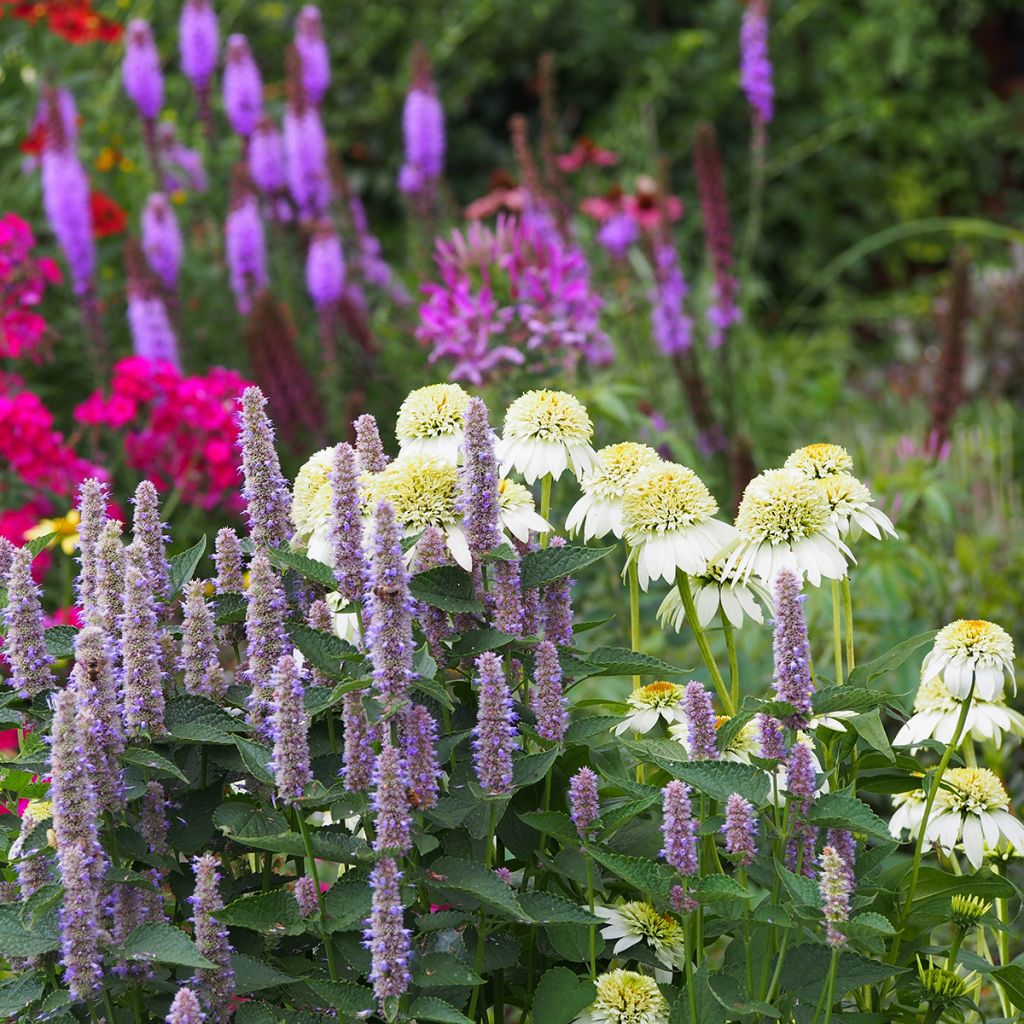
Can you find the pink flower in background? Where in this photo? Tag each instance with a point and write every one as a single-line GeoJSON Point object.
{"type": "Point", "coordinates": [585, 152]}
{"type": "Point", "coordinates": [23, 282]}
{"type": "Point", "coordinates": [649, 210]}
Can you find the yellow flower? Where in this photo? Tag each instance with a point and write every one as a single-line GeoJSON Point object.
{"type": "Point", "coordinates": [65, 528]}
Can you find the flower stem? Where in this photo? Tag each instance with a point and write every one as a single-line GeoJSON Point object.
{"type": "Point", "coordinates": [593, 927]}
{"type": "Point", "coordinates": [734, 667]}
{"type": "Point", "coordinates": [634, 611]}
{"type": "Point", "coordinates": [683, 582]}
{"type": "Point", "coordinates": [848, 613]}
{"type": "Point", "coordinates": [311, 861]}
{"type": "Point", "coordinates": [837, 631]}
{"type": "Point", "coordinates": [492, 824]}
{"type": "Point", "coordinates": [825, 1002]}
{"type": "Point", "coordinates": [545, 505]}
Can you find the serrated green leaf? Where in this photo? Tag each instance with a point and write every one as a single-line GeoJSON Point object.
{"type": "Point", "coordinates": [804, 891]}
{"type": "Point", "coordinates": [616, 817]}
{"type": "Point", "coordinates": [146, 757]}
{"type": "Point", "coordinates": [324, 651]}
{"type": "Point", "coordinates": [437, 1011]}
{"type": "Point", "coordinates": [184, 565]}
{"type": "Point", "coordinates": [648, 876]}
{"type": "Point", "coordinates": [549, 564]}
{"type": "Point", "coordinates": [591, 726]}
{"type": "Point", "coordinates": [273, 912]}
{"type": "Point", "coordinates": [16, 940]}
{"type": "Point", "coordinates": [846, 698]}
{"type": "Point", "coordinates": [19, 992]}
{"type": "Point", "coordinates": [477, 641]}
{"type": "Point", "coordinates": [712, 888]}
{"type": "Point", "coordinates": [346, 996]}
{"type": "Point", "coordinates": [162, 944]}
{"type": "Point", "coordinates": [936, 884]}
{"type": "Point", "coordinates": [60, 641]}
{"type": "Point", "coordinates": [347, 905]}
{"type": "Point", "coordinates": [192, 719]}
{"type": "Point", "coordinates": [732, 994]}
{"type": "Point", "coordinates": [242, 817]}
{"type": "Point", "coordinates": [1011, 978]}
{"type": "Point", "coordinates": [720, 779]}
{"type": "Point", "coordinates": [256, 1013]}
{"type": "Point", "coordinates": [446, 587]}
{"type": "Point", "coordinates": [547, 908]}
{"type": "Point", "coordinates": [443, 970]}
{"type": "Point", "coordinates": [253, 975]}
{"type": "Point", "coordinates": [621, 661]}
{"type": "Point", "coordinates": [316, 572]}
{"type": "Point", "coordinates": [561, 996]}
{"type": "Point", "coordinates": [870, 922]}
{"type": "Point", "coordinates": [837, 810]}
{"type": "Point", "coordinates": [552, 823]}
{"type": "Point", "coordinates": [530, 768]}
{"type": "Point", "coordinates": [256, 759]}
{"type": "Point", "coordinates": [890, 661]}
{"type": "Point", "coordinates": [39, 543]}
{"type": "Point", "coordinates": [870, 729]}
{"type": "Point", "coordinates": [807, 966]}
{"type": "Point", "coordinates": [472, 879]}
{"type": "Point", "coordinates": [228, 608]}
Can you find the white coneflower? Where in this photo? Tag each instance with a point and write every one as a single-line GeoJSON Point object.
{"type": "Point", "coordinates": [972, 808]}
{"type": "Point", "coordinates": [667, 519]}
{"type": "Point", "coordinates": [547, 432]}
{"type": "Point", "coordinates": [599, 510]}
{"type": "Point", "coordinates": [714, 592]}
{"type": "Point", "coordinates": [517, 511]}
{"type": "Point", "coordinates": [908, 812]}
{"type": "Point", "coordinates": [430, 421]}
{"type": "Point", "coordinates": [626, 997]}
{"type": "Point", "coordinates": [784, 522]}
{"type": "Point", "coordinates": [820, 460]}
{"type": "Point", "coordinates": [937, 712]}
{"type": "Point", "coordinates": [972, 651]}
{"type": "Point", "coordinates": [852, 511]}
{"type": "Point", "coordinates": [636, 921]}
{"type": "Point", "coordinates": [311, 496]}
{"type": "Point", "coordinates": [745, 743]}
{"type": "Point", "coordinates": [659, 701]}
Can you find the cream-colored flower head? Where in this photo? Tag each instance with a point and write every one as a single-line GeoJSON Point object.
{"type": "Point", "coordinates": [784, 522]}
{"type": "Point", "coordinates": [626, 997]}
{"type": "Point", "coordinates": [649, 704]}
{"type": "Point", "coordinates": [908, 812]}
{"type": "Point", "coordinates": [972, 808]}
{"type": "Point", "coordinates": [637, 921]}
{"type": "Point", "coordinates": [668, 522]}
{"type": "Point", "coordinates": [311, 495]}
{"type": "Point", "coordinates": [820, 460]}
{"type": "Point", "coordinates": [430, 421]}
{"type": "Point", "coordinates": [547, 432]}
{"type": "Point", "coordinates": [972, 651]}
{"type": "Point", "coordinates": [518, 511]}
{"type": "Point", "coordinates": [599, 510]}
{"type": "Point", "coordinates": [714, 592]}
{"type": "Point", "coordinates": [852, 511]}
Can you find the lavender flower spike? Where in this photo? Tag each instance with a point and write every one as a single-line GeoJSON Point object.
{"type": "Point", "coordinates": [198, 43]}
{"type": "Point", "coordinates": [478, 481]}
{"type": "Point", "coordinates": [740, 829]}
{"type": "Point", "coordinates": [584, 808]}
{"type": "Point", "coordinates": [243, 86]}
{"type": "Point", "coordinates": [161, 240]}
{"type": "Point", "coordinates": [679, 828]}
{"type": "Point", "coordinates": [153, 336]}
{"type": "Point", "coordinates": [391, 802]}
{"type": "Point", "coordinates": [25, 644]}
{"type": "Point", "coordinates": [845, 845]}
{"type": "Point", "coordinates": [266, 640]}
{"type": "Point", "coordinates": [360, 736]}
{"type": "Point", "coordinates": [306, 896]}
{"type": "Point", "coordinates": [185, 1008]}
{"type": "Point", "coordinates": [143, 79]}
{"type": "Point", "coordinates": [33, 872]}
{"type": "Point", "coordinates": [153, 818]}
{"type": "Point", "coordinates": [93, 496]}
{"type": "Point", "coordinates": [305, 155]}
{"type": "Point", "coordinates": [791, 649]}
{"type": "Point", "coordinates": [389, 941]}
{"type": "Point", "coordinates": [495, 736]}
{"type": "Point", "coordinates": [142, 693]}
{"type": "Point", "coordinates": [150, 532]}
{"type": "Point", "coordinates": [547, 699]}
{"type": "Point", "coordinates": [671, 327]}
{"type": "Point", "coordinates": [423, 131]}
{"type": "Point", "coordinates": [557, 606]}
{"type": "Point", "coordinates": [215, 986]}
{"type": "Point", "coordinates": [290, 729]}
{"type": "Point", "coordinates": [266, 157]}
{"type": "Point", "coordinates": [245, 251]}
{"type": "Point", "coordinates": [419, 739]}
{"type": "Point", "coordinates": [346, 525]}
{"type": "Point", "coordinates": [507, 597]}
{"type": "Point", "coordinates": [72, 795]}
{"type": "Point", "coordinates": [268, 500]}
{"type": "Point", "coordinates": [835, 894]}
{"type": "Point", "coordinates": [369, 447]}
{"type": "Point", "coordinates": [111, 559]}
{"type": "Point", "coordinates": [227, 558]}
{"type": "Point", "coordinates": [755, 67]}
{"type": "Point", "coordinates": [770, 736]}
{"type": "Point", "coordinates": [199, 658]}
{"type": "Point", "coordinates": [7, 550]}
{"type": "Point", "coordinates": [801, 785]}
{"type": "Point", "coordinates": [701, 720]}
{"type": "Point", "coordinates": [316, 62]}
{"type": "Point", "coordinates": [325, 267]}
{"type": "Point", "coordinates": [80, 921]}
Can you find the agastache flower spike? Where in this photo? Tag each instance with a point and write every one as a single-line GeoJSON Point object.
{"type": "Point", "coordinates": [679, 828]}
{"type": "Point", "coordinates": [419, 739]}
{"type": "Point", "coordinates": [245, 250]}
{"type": "Point", "coordinates": [312, 50]}
{"type": "Point", "coordinates": [143, 79]}
{"type": "Point", "coordinates": [834, 884]}
{"type": "Point", "coordinates": [547, 699]}
{"type": "Point", "coordinates": [72, 795]}
{"type": "Point", "coordinates": [801, 786]}
{"type": "Point", "coordinates": [360, 736]}
{"type": "Point", "coordinates": [227, 559]}
{"type": "Point", "coordinates": [79, 920]}
{"type": "Point", "coordinates": [346, 525]}
{"type": "Point", "coordinates": [153, 818]}
{"type": "Point", "coordinates": [770, 736]}
{"type": "Point", "coordinates": [700, 719]}
{"type": "Point", "coordinates": [432, 552]}
{"type": "Point", "coordinates": [306, 896]}
{"type": "Point", "coordinates": [215, 986]}
{"type": "Point", "coordinates": [142, 693]}
{"type": "Point", "coordinates": [111, 561]}
{"type": "Point", "coordinates": [93, 496]}
{"type": "Point", "coordinates": [266, 640]}
{"type": "Point", "coordinates": [149, 531]}
{"type": "Point", "coordinates": [185, 1008]}
{"type": "Point", "coordinates": [507, 596]}
{"type": "Point", "coordinates": [391, 802]}
{"type": "Point", "coordinates": [478, 481]}
{"type": "Point", "coordinates": [793, 683]}
{"type": "Point", "coordinates": [25, 644]}
{"type": "Point", "coordinates": [268, 501]}
{"type": "Point", "coordinates": [845, 845]}
{"type": "Point", "coordinates": [7, 550]}
{"type": "Point", "coordinates": [389, 942]}
{"type": "Point", "coordinates": [740, 829]}
{"type": "Point", "coordinates": [584, 808]}
{"type": "Point", "coordinates": [290, 729]}
{"type": "Point", "coordinates": [321, 618]}
{"type": "Point", "coordinates": [199, 658]}
{"type": "Point", "coordinates": [369, 447]}
{"type": "Point", "coordinates": [161, 240]}
{"type": "Point", "coordinates": [243, 86]}
{"type": "Point", "coordinates": [495, 736]}
{"type": "Point", "coordinates": [557, 606]}
{"type": "Point", "coordinates": [33, 872]}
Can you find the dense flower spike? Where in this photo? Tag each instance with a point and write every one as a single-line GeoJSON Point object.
{"type": "Point", "coordinates": [198, 43]}
{"type": "Point", "coordinates": [72, 794]}
{"type": "Point", "coordinates": [325, 267]}
{"type": "Point", "coordinates": [423, 132]}
{"type": "Point", "coordinates": [679, 828]}
{"type": "Point", "coordinates": [547, 699]}
{"type": "Point", "coordinates": [185, 1008]}
{"type": "Point", "coordinates": [701, 722]}
{"type": "Point", "coordinates": [266, 157]}
{"type": "Point", "coordinates": [153, 818]}
{"type": "Point", "coordinates": [305, 157]}
{"type": "Point", "coordinates": [507, 596]}
{"type": "Point", "coordinates": [200, 662]}
{"type": "Point", "coordinates": [387, 938]}
{"type": "Point", "coordinates": [770, 735]}
{"type": "Point", "coordinates": [791, 649]}
{"type": "Point", "coordinates": [419, 740]}
{"type": "Point", "coordinates": [801, 784]}
{"type": "Point", "coordinates": [161, 240]}
{"type": "Point", "coordinates": [142, 692]}
{"type": "Point", "coordinates": [557, 606]}
{"type": "Point", "coordinates": [290, 731]}
{"type": "Point", "coordinates": [143, 79]}
{"type": "Point", "coordinates": [391, 802]}
{"type": "Point", "coordinates": [153, 337]}
{"type": "Point", "coordinates": [149, 532]}
{"type": "Point", "coordinates": [93, 497]}
{"type": "Point", "coordinates": [345, 526]}
{"type": "Point", "coordinates": [243, 86]}
{"type": "Point", "coordinates": [111, 563]}
{"type": "Point", "coordinates": [360, 736]}
{"type": "Point", "coordinates": [215, 986]}
{"type": "Point", "coordinates": [755, 67]}
{"type": "Point", "coordinates": [431, 552]}
{"type": "Point", "coordinates": [33, 872]}
{"type": "Point", "coordinates": [369, 447]}
{"type": "Point", "coordinates": [94, 683]}
{"type": "Point", "coordinates": [80, 920]}
{"type": "Point", "coordinates": [495, 736]}
{"type": "Point", "coordinates": [584, 807]}
{"type": "Point", "coordinates": [316, 61]}
{"type": "Point", "coordinates": [740, 829]}
{"type": "Point", "coordinates": [245, 249]}
{"type": "Point", "coordinates": [478, 481]}
{"type": "Point", "coordinates": [389, 634]}
{"type": "Point", "coordinates": [671, 327]}
{"type": "Point", "coordinates": [227, 559]}
{"type": "Point", "coordinates": [25, 643]}
{"type": "Point", "coordinates": [834, 884]}
{"type": "Point", "coordinates": [845, 845]}
{"type": "Point", "coordinates": [268, 501]}
{"type": "Point", "coordinates": [306, 896]}
{"type": "Point", "coordinates": [7, 550]}
{"type": "Point", "coordinates": [266, 640]}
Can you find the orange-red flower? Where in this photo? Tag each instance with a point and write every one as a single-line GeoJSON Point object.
{"type": "Point", "coordinates": [107, 217]}
{"type": "Point", "coordinates": [73, 20]}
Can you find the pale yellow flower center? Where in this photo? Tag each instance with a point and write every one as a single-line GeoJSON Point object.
{"type": "Point", "coordinates": [665, 498]}
{"type": "Point", "coordinates": [630, 998]}
{"type": "Point", "coordinates": [620, 464]}
{"type": "Point", "coordinates": [660, 930]}
{"type": "Point", "coordinates": [311, 493]}
{"type": "Point", "coordinates": [656, 695]}
{"type": "Point", "coordinates": [421, 489]}
{"type": "Point", "coordinates": [554, 416]}
{"type": "Point", "coordinates": [819, 460]}
{"type": "Point", "coordinates": [782, 506]}
{"type": "Point", "coordinates": [972, 791]}
{"type": "Point", "coordinates": [433, 411]}
{"type": "Point", "coordinates": [975, 638]}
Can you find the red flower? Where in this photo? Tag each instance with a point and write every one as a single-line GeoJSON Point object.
{"type": "Point", "coordinates": [107, 217]}
{"type": "Point", "coordinates": [33, 143]}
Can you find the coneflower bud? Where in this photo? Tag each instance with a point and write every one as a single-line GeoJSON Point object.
{"type": "Point", "coordinates": [243, 86]}
{"type": "Point", "coordinates": [584, 808]}
{"type": "Point", "coordinates": [834, 884]}
{"type": "Point", "coordinates": [740, 829]}
{"type": "Point", "coordinates": [346, 525]}
{"type": "Point", "coordinates": [790, 646]}
{"type": "Point", "coordinates": [33, 872]}
{"type": "Point", "coordinates": [111, 562]}
{"type": "Point", "coordinates": [215, 986]}
{"type": "Point", "coordinates": [700, 719]}
{"type": "Point", "coordinates": [290, 730]}
{"type": "Point", "coordinates": [227, 560]}
{"type": "Point", "coordinates": [312, 50]}
{"type": "Point", "coordinates": [679, 829]}
{"type": "Point", "coordinates": [142, 692]}
{"type": "Point", "coordinates": [200, 662]}
{"type": "Point", "coordinates": [369, 447]}
{"type": "Point", "coordinates": [391, 802]}
{"type": "Point", "coordinates": [25, 644]}
{"type": "Point", "coordinates": [143, 79]}
{"type": "Point", "coordinates": [557, 606]}
{"type": "Point", "coordinates": [360, 737]}
{"type": "Point", "coordinates": [386, 937]}
{"type": "Point", "coordinates": [478, 481]}
{"type": "Point", "coordinates": [507, 596]}
{"type": "Point", "coordinates": [389, 635]}
{"type": "Point", "coordinates": [150, 532]}
{"type": "Point", "coordinates": [547, 698]}
{"type": "Point", "coordinates": [266, 157]}
{"type": "Point", "coordinates": [80, 920]}
{"type": "Point", "coordinates": [770, 736]}
{"type": "Point", "coordinates": [161, 240]}
{"type": "Point", "coordinates": [245, 250]}
{"type": "Point", "coordinates": [185, 1008]}
{"type": "Point", "coordinates": [325, 267]}
{"type": "Point", "coordinates": [419, 739]}
{"type": "Point", "coordinates": [266, 640]}
{"type": "Point", "coordinates": [268, 500]}
{"type": "Point", "coordinates": [495, 736]}
{"type": "Point", "coordinates": [93, 496]}
{"type": "Point", "coordinates": [153, 818]}
{"type": "Point", "coordinates": [306, 896]}
{"type": "Point", "coordinates": [966, 911]}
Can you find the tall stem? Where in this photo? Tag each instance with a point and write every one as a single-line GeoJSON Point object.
{"type": "Point", "coordinates": [311, 860]}
{"type": "Point", "coordinates": [848, 613]}
{"type": "Point", "coordinates": [492, 824]}
{"type": "Point", "coordinates": [634, 610]}
{"type": "Point", "coordinates": [734, 666]}
{"type": "Point", "coordinates": [825, 1002]}
{"type": "Point", "coordinates": [837, 631]}
{"type": "Point", "coordinates": [593, 927]}
{"type": "Point", "coordinates": [683, 582]}
{"type": "Point", "coordinates": [545, 505]}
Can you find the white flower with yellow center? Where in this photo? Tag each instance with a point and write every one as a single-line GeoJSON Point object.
{"type": "Point", "coordinates": [650, 704]}
{"type": "Point", "coordinates": [518, 512]}
{"type": "Point", "coordinates": [784, 522]}
{"type": "Point", "coordinates": [547, 432]}
{"type": "Point", "coordinates": [745, 743]}
{"type": "Point", "coordinates": [430, 421]}
{"type": "Point", "coordinates": [972, 808]}
{"type": "Point", "coordinates": [820, 460]}
{"type": "Point", "coordinates": [626, 997]}
{"type": "Point", "coordinates": [599, 511]}
{"type": "Point", "coordinates": [972, 651]}
{"type": "Point", "coordinates": [636, 921]}
{"type": "Point", "coordinates": [714, 592]}
{"type": "Point", "coordinates": [852, 511]}
{"type": "Point", "coordinates": [937, 712]}
{"type": "Point", "coordinates": [667, 519]}
{"type": "Point", "coordinates": [908, 812]}
{"type": "Point", "coordinates": [311, 496]}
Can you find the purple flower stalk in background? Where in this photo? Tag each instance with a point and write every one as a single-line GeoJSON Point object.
{"type": "Point", "coordinates": [227, 559]}
{"type": "Point", "coordinates": [305, 158]}
{"type": "Point", "coordinates": [478, 481]}
{"type": "Point", "coordinates": [153, 818]}
{"type": "Point", "coordinates": [801, 785]}
{"type": "Point", "coordinates": [268, 500]}
{"type": "Point", "coordinates": [185, 1008]}
{"type": "Point", "coordinates": [111, 560]}
{"type": "Point", "coordinates": [143, 79]}
{"type": "Point", "coordinates": [791, 649]}
{"type": "Point", "coordinates": [557, 606]}
{"type": "Point", "coordinates": [495, 736]}
{"type": "Point", "coordinates": [679, 829]}
{"type": "Point", "coordinates": [25, 643]}
{"type": "Point", "coordinates": [584, 808]}
{"type": "Point", "coordinates": [618, 233]}
{"type": "Point", "coordinates": [386, 937]}
{"type": "Point", "coordinates": [7, 550]}
{"type": "Point", "coordinates": [346, 525]}
{"type": "Point", "coordinates": [266, 157]}
{"type": "Point", "coordinates": [243, 86]}
{"type": "Point", "coordinates": [161, 240]}
{"type": "Point", "coordinates": [93, 497]}
{"type": "Point", "coordinates": [266, 640]}
{"type": "Point", "coordinates": [312, 50]}
{"type": "Point", "coordinates": [200, 663]}
{"type": "Point", "coordinates": [770, 736]}
{"type": "Point", "coordinates": [360, 735]}
{"type": "Point", "coordinates": [372, 265]}
{"type": "Point", "coordinates": [507, 596]}
{"type": "Point", "coordinates": [306, 896]}
{"type": "Point", "coordinates": [142, 691]}
{"type": "Point", "coordinates": [245, 250]}
{"type": "Point", "coordinates": [547, 698]}
{"type": "Point", "coordinates": [198, 43]}
{"type": "Point", "coordinates": [419, 740]}
{"type": "Point", "coordinates": [153, 337]}
{"type": "Point", "coordinates": [80, 920]}
{"type": "Point", "coordinates": [214, 986]}
{"type": "Point", "coordinates": [423, 132]}
{"type": "Point", "coordinates": [183, 167]}
{"type": "Point", "coordinates": [740, 829]}
{"type": "Point", "coordinates": [755, 66]}
{"type": "Point", "coordinates": [290, 730]}
{"type": "Point", "coordinates": [391, 802]}
{"type": "Point", "coordinates": [369, 447]}
{"type": "Point", "coordinates": [671, 327]}
{"type": "Point", "coordinates": [325, 266]}
{"type": "Point", "coordinates": [151, 534]}
{"type": "Point", "coordinates": [834, 884]}
{"type": "Point", "coordinates": [701, 722]}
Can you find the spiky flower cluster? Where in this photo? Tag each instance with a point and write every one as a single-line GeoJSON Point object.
{"type": "Point", "coordinates": [386, 937]}
{"type": "Point", "coordinates": [419, 739]}
{"type": "Point", "coordinates": [801, 784]}
{"type": "Point", "coordinates": [584, 806]}
{"type": "Point", "coordinates": [478, 481]}
{"type": "Point", "coordinates": [391, 802]}
{"type": "Point", "coordinates": [265, 637]}
{"type": "Point", "coordinates": [215, 986]}
{"type": "Point", "coordinates": [834, 884]}
{"type": "Point", "coordinates": [142, 675]}
{"type": "Point", "coordinates": [557, 606]}
{"type": "Point", "coordinates": [547, 699]}
{"type": "Point", "coordinates": [740, 829]}
{"type": "Point", "coordinates": [495, 736]}
{"type": "Point", "coordinates": [345, 531]}
{"type": "Point", "coordinates": [701, 723]}
{"type": "Point", "coordinates": [25, 644]}
{"type": "Point", "coordinates": [93, 497]}
{"type": "Point", "coordinates": [150, 533]}
{"type": "Point", "coordinates": [289, 728]}
{"type": "Point", "coordinates": [306, 896]}
{"type": "Point", "coordinates": [679, 829]}
{"type": "Point", "coordinates": [200, 661]}
{"type": "Point", "coordinates": [360, 736]}
{"type": "Point", "coordinates": [185, 1008]}
{"type": "Point", "coordinates": [268, 502]}
{"type": "Point", "coordinates": [791, 649]}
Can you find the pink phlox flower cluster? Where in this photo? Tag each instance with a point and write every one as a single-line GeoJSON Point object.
{"type": "Point", "coordinates": [23, 281]}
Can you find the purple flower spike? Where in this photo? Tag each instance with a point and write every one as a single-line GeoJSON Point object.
{"type": "Point", "coordinates": [306, 896]}
{"type": "Point", "coordinates": [507, 596]}
{"type": "Point", "coordinates": [153, 337]}
{"type": "Point", "coordinates": [143, 79]}
{"type": "Point", "coordinates": [679, 829]}
{"type": "Point", "coordinates": [755, 67]}
{"type": "Point", "coordinates": [584, 808]}
{"type": "Point", "coordinates": [423, 132]}
{"type": "Point", "coordinates": [185, 1008]}
{"type": "Point", "coordinates": [325, 267]}
{"type": "Point", "coordinates": [93, 496]}
{"type": "Point", "coordinates": [200, 661]}
{"type": "Point", "coordinates": [316, 62]}
{"type": "Point", "coordinates": [245, 250]}
{"type": "Point", "coordinates": [227, 559]}
{"type": "Point", "coordinates": [305, 157]}
{"type": "Point", "coordinates": [346, 525]}
{"type": "Point", "coordinates": [618, 233]}
{"type": "Point", "coordinates": [547, 699]}
{"type": "Point", "coordinates": [72, 794]}
{"type": "Point", "coordinates": [266, 158]}
{"type": "Point", "coordinates": [360, 736]}
{"type": "Point", "coordinates": [7, 550]}
{"type": "Point", "coordinates": [153, 818]}
{"type": "Point", "coordinates": [290, 729]}
{"type": "Point", "coordinates": [150, 533]}
{"type": "Point", "coordinates": [268, 500]}
{"type": "Point", "coordinates": [25, 644]}
{"type": "Point", "coordinates": [198, 42]}
{"type": "Point", "coordinates": [369, 447]}
{"type": "Point", "coordinates": [80, 921]}
{"type": "Point", "coordinates": [419, 740]}
{"type": "Point", "coordinates": [389, 941]}
{"type": "Point", "coordinates": [793, 683]}
{"type": "Point", "coordinates": [161, 240]}
{"type": "Point", "coordinates": [243, 86]}
{"type": "Point", "coordinates": [266, 640]}
{"type": "Point", "coordinates": [111, 561]}
{"type": "Point", "coordinates": [214, 986]}
{"type": "Point", "coordinates": [495, 736]}
{"type": "Point", "coordinates": [391, 802]}
{"type": "Point", "coordinates": [834, 884]}
{"type": "Point", "coordinates": [845, 845]}
{"type": "Point", "coordinates": [801, 786]}
{"type": "Point", "coordinates": [701, 720]}
{"type": "Point", "coordinates": [740, 829]}
{"type": "Point", "coordinates": [142, 692]}
{"type": "Point", "coordinates": [478, 481]}
{"type": "Point", "coordinates": [33, 872]}
{"type": "Point", "coordinates": [557, 606]}
{"type": "Point", "coordinates": [671, 327]}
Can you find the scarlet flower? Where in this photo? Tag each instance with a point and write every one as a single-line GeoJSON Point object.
{"type": "Point", "coordinates": [33, 143]}
{"type": "Point", "coordinates": [107, 217]}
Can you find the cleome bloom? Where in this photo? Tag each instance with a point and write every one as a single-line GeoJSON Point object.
{"type": "Point", "coordinates": [599, 510]}
{"type": "Point", "coordinates": [430, 421]}
{"type": "Point", "coordinates": [637, 921]}
{"type": "Point", "coordinates": [971, 651]}
{"type": "Point", "coordinates": [667, 519]}
{"type": "Point", "coordinates": [547, 432]}
{"type": "Point", "coordinates": [626, 997]}
{"type": "Point", "coordinates": [648, 704]}
{"type": "Point", "coordinates": [714, 592]}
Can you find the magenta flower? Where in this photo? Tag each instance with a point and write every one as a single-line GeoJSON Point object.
{"type": "Point", "coordinates": [316, 61]}
{"type": "Point", "coordinates": [161, 240]}
{"type": "Point", "coordinates": [243, 86]}
{"type": "Point", "coordinates": [143, 79]}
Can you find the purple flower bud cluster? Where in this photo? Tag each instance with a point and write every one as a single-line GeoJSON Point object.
{"type": "Point", "coordinates": [391, 802]}
{"type": "Point", "coordinates": [290, 731]}
{"type": "Point", "coordinates": [679, 829]}
{"type": "Point", "coordinates": [245, 250]}
{"type": "Point", "coordinates": [243, 86]}
{"type": "Point", "coordinates": [791, 649]}
{"type": "Point", "coordinates": [185, 1008]}
{"type": "Point", "coordinates": [369, 447]}
{"type": "Point", "coordinates": [801, 786]}
{"type": "Point", "coordinates": [142, 691]}
{"type": "Point", "coordinates": [80, 920]}
{"type": "Point", "coordinates": [111, 566]}
{"type": "Point", "coordinates": [547, 698]}
{"type": "Point", "coordinates": [478, 481]}
{"type": "Point", "coordinates": [72, 794]}
{"type": "Point", "coordinates": [346, 525]}
{"type": "Point", "coordinates": [266, 640]}
{"type": "Point", "coordinates": [740, 829]}
{"type": "Point", "coordinates": [305, 159]}
{"type": "Point", "coordinates": [701, 721]}
{"type": "Point", "coordinates": [772, 747]}
{"type": "Point", "coordinates": [387, 938]}
{"type": "Point", "coordinates": [306, 896]}
{"type": "Point", "coordinates": [161, 240]}
{"type": "Point", "coordinates": [153, 818]}
{"type": "Point", "coordinates": [313, 55]}
{"type": "Point", "coordinates": [33, 872]}
{"type": "Point", "coordinates": [227, 560]}
{"type": "Point", "coordinates": [360, 736]}
{"type": "Point", "coordinates": [671, 327]}
{"type": "Point", "coordinates": [7, 550]}
{"type": "Point", "coordinates": [150, 533]}
{"type": "Point", "coordinates": [93, 496]}
{"type": "Point", "coordinates": [200, 661]}
{"type": "Point", "coordinates": [325, 267]}
{"type": "Point", "coordinates": [153, 336]}
{"type": "Point", "coordinates": [268, 500]}
{"type": "Point", "coordinates": [584, 808]}
{"type": "Point", "coordinates": [419, 739]}
{"type": "Point", "coordinates": [845, 845]}
{"type": "Point", "coordinates": [266, 157]}
{"type": "Point", "coordinates": [423, 132]}
{"type": "Point", "coordinates": [755, 67]}
{"type": "Point", "coordinates": [198, 43]}
{"type": "Point", "coordinates": [834, 884]}
{"type": "Point", "coordinates": [143, 79]}
{"type": "Point", "coordinates": [506, 596]}
{"type": "Point", "coordinates": [25, 643]}
{"type": "Point", "coordinates": [557, 605]}
{"type": "Point", "coordinates": [215, 986]}
{"type": "Point", "coordinates": [495, 736]}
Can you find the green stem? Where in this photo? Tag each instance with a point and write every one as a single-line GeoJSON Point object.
{"type": "Point", "coordinates": [954, 949]}
{"type": "Point", "coordinates": [734, 665]}
{"type": "Point", "coordinates": [593, 927]}
{"type": "Point", "coordinates": [634, 610]}
{"type": "Point", "coordinates": [837, 631]}
{"type": "Point", "coordinates": [492, 824]}
{"type": "Point", "coordinates": [688, 974]}
{"type": "Point", "coordinates": [683, 582]}
{"type": "Point", "coordinates": [108, 1003]}
{"type": "Point", "coordinates": [545, 505]}
{"type": "Point", "coordinates": [848, 614]}
{"type": "Point", "coordinates": [311, 860]}
{"type": "Point", "coordinates": [825, 1002]}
